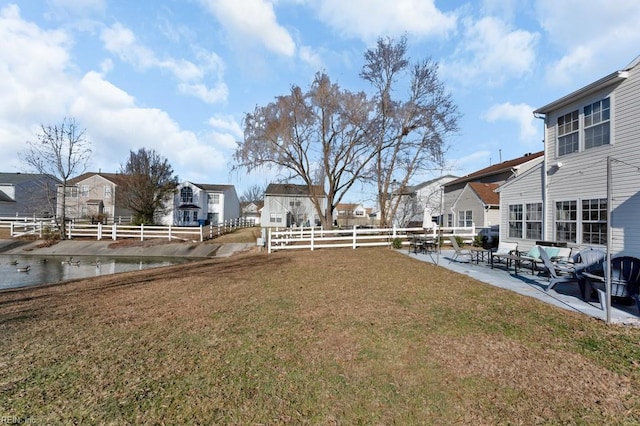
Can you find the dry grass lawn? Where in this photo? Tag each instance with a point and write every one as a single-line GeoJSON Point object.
{"type": "Point", "coordinates": [339, 336]}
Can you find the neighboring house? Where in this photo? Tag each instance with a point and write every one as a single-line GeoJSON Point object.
{"type": "Point", "coordinates": [93, 196]}
{"type": "Point", "coordinates": [27, 194]}
{"type": "Point", "coordinates": [288, 204]}
{"type": "Point", "coordinates": [251, 211]}
{"type": "Point", "coordinates": [198, 204]}
{"type": "Point", "coordinates": [467, 201]}
{"type": "Point", "coordinates": [566, 197]}
{"type": "Point", "coordinates": [350, 215]}
{"type": "Point", "coordinates": [421, 205]}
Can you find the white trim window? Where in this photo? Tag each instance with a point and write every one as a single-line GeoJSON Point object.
{"type": "Point", "coordinates": [515, 221]}
{"type": "Point", "coordinates": [84, 190]}
{"type": "Point", "coordinates": [107, 191]}
{"type": "Point", "coordinates": [566, 221]}
{"type": "Point", "coordinates": [596, 124]}
{"type": "Point", "coordinates": [533, 221]}
{"type": "Point", "coordinates": [594, 221]}
{"type": "Point", "coordinates": [275, 217]}
{"type": "Point", "coordinates": [465, 218]}
{"type": "Point", "coordinates": [186, 195]}
{"type": "Point", "coordinates": [568, 133]}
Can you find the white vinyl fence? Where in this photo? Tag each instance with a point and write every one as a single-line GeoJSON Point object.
{"type": "Point", "coordinates": [314, 237]}
{"type": "Point", "coordinates": [117, 231]}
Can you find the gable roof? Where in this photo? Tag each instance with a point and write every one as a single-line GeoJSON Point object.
{"type": "Point", "coordinates": [497, 168]}
{"type": "Point", "coordinates": [115, 178]}
{"type": "Point", "coordinates": [293, 190]}
{"type": "Point", "coordinates": [485, 192]}
{"type": "Point", "coordinates": [16, 178]}
{"type": "Point", "coordinates": [213, 187]}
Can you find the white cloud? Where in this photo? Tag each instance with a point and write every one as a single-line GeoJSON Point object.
{"type": "Point", "coordinates": [116, 125]}
{"type": "Point", "coordinates": [595, 40]}
{"type": "Point", "coordinates": [522, 114]}
{"type": "Point", "coordinates": [254, 22]}
{"type": "Point", "coordinates": [369, 19]}
{"type": "Point", "coordinates": [492, 51]}
{"type": "Point", "coordinates": [122, 42]}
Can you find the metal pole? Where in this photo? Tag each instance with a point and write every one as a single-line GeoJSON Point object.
{"type": "Point", "coordinates": [609, 241]}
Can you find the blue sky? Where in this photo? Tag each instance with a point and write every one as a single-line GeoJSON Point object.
{"type": "Point", "coordinates": [179, 75]}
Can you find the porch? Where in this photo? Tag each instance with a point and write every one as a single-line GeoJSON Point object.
{"type": "Point", "coordinates": [563, 295]}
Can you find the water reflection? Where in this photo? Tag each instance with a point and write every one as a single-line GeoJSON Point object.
{"type": "Point", "coordinates": [22, 271]}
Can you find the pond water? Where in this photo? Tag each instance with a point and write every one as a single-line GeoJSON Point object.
{"type": "Point", "coordinates": [52, 269]}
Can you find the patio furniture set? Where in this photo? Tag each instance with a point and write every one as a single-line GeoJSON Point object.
{"type": "Point", "coordinates": [587, 268]}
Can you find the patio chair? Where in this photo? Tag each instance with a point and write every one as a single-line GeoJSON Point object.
{"type": "Point", "coordinates": [557, 273]}
{"type": "Point", "coordinates": [625, 280]}
{"type": "Point", "coordinates": [501, 253]}
{"type": "Point", "coordinates": [459, 251]}
{"type": "Point", "coordinates": [589, 260]}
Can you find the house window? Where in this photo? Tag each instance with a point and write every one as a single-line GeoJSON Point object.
{"type": "Point", "coordinates": [566, 221]}
{"type": "Point", "coordinates": [71, 191]}
{"type": "Point", "coordinates": [215, 199]}
{"type": "Point", "coordinates": [106, 211]}
{"type": "Point", "coordinates": [84, 190]}
{"type": "Point", "coordinates": [195, 216]}
{"type": "Point", "coordinates": [568, 136]}
{"type": "Point", "coordinates": [185, 216]}
{"type": "Point", "coordinates": [186, 195]}
{"type": "Point", "coordinates": [596, 124]}
{"type": "Point", "coordinates": [449, 220]}
{"type": "Point", "coordinates": [594, 221]}
{"type": "Point", "coordinates": [515, 221]}
{"type": "Point", "coordinates": [275, 218]}
{"type": "Point", "coordinates": [465, 218]}
{"type": "Point", "coordinates": [294, 203]}
{"type": "Point", "coordinates": [107, 191]}
{"type": "Point", "coordinates": [533, 221]}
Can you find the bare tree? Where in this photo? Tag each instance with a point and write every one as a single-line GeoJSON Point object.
{"type": "Point", "coordinates": [319, 136]}
{"type": "Point", "coordinates": [147, 185]}
{"type": "Point", "coordinates": [410, 131]}
{"type": "Point", "coordinates": [252, 194]}
{"type": "Point", "coordinates": [62, 151]}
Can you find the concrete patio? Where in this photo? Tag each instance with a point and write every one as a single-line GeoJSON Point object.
{"type": "Point", "coordinates": [563, 295]}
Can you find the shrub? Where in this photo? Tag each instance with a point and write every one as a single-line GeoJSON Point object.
{"type": "Point", "coordinates": [397, 243]}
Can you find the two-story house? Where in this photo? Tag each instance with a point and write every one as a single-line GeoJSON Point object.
{"type": "Point", "coordinates": [251, 210]}
{"type": "Point", "coordinates": [421, 204]}
{"type": "Point", "coordinates": [198, 204]}
{"type": "Point", "coordinates": [468, 201]}
{"type": "Point", "coordinates": [93, 196]}
{"type": "Point", "coordinates": [288, 204]}
{"type": "Point", "coordinates": [350, 214]}
{"type": "Point", "coordinates": [27, 194]}
{"type": "Point", "coordinates": [591, 151]}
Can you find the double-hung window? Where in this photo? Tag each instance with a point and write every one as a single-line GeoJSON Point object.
{"type": "Point", "coordinates": [515, 221]}
{"type": "Point", "coordinates": [594, 221]}
{"type": "Point", "coordinates": [533, 221]}
{"type": "Point", "coordinates": [568, 134]}
{"type": "Point", "coordinates": [465, 218]}
{"type": "Point", "coordinates": [596, 124]}
{"type": "Point", "coordinates": [566, 221]}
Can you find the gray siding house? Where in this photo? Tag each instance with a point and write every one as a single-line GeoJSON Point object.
{"type": "Point", "coordinates": [566, 197]}
{"type": "Point", "coordinates": [466, 206]}
{"type": "Point", "coordinates": [27, 194]}
{"type": "Point", "coordinates": [288, 204]}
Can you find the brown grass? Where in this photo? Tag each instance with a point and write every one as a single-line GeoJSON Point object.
{"type": "Point", "coordinates": [330, 337]}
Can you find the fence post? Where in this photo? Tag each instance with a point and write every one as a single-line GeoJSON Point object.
{"type": "Point", "coordinates": [312, 238]}
{"type": "Point", "coordinates": [69, 230]}
{"type": "Point", "coordinates": [114, 232]}
{"type": "Point", "coordinates": [40, 229]}
{"type": "Point", "coordinates": [269, 242]}
{"type": "Point", "coordinates": [11, 229]}
{"type": "Point", "coordinates": [142, 232]}
{"type": "Point", "coordinates": [201, 237]}
{"type": "Point", "coordinates": [99, 236]}
{"type": "Point", "coordinates": [169, 232]}
{"type": "Point", "coordinates": [355, 235]}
